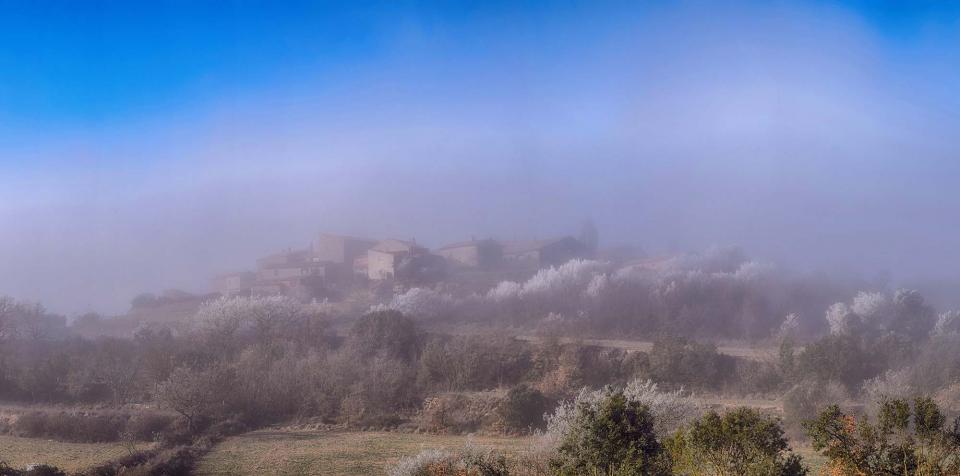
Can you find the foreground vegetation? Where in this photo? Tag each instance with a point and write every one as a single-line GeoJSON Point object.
{"type": "Point", "coordinates": [169, 394]}
{"type": "Point", "coordinates": [613, 433]}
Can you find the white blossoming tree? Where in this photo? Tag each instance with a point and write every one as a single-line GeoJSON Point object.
{"type": "Point", "coordinates": [947, 323]}
{"type": "Point", "coordinates": [421, 303]}
{"type": "Point", "coordinates": [875, 313]}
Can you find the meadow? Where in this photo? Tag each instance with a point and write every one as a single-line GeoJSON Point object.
{"type": "Point", "coordinates": [283, 451]}
{"type": "Point", "coordinates": [322, 453]}
{"type": "Point", "coordinates": [21, 452]}
{"type": "Point", "coordinates": [326, 452]}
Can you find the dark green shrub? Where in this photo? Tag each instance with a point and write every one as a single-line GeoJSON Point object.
{"type": "Point", "coordinates": [904, 441]}
{"type": "Point", "coordinates": [387, 333]}
{"type": "Point", "coordinates": [840, 358]}
{"type": "Point", "coordinates": [523, 409]}
{"type": "Point", "coordinates": [743, 442]}
{"type": "Point", "coordinates": [614, 437]}
{"type": "Point", "coordinates": [675, 360]}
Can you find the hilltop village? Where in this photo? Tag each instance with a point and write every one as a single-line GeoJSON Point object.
{"type": "Point", "coordinates": [335, 264]}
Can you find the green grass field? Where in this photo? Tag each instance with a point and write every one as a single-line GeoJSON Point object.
{"type": "Point", "coordinates": [285, 452]}
{"type": "Point", "coordinates": [20, 452]}
{"type": "Point", "coordinates": [332, 452]}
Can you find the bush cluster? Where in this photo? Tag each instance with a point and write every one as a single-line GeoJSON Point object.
{"type": "Point", "coordinates": [613, 432]}
{"type": "Point", "coordinates": [91, 427]}
{"type": "Point", "coordinates": [905, 440]}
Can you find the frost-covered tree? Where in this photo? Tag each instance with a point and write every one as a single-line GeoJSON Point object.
{"type": "Point", "coordinates": [570, 277]}
{"type": "Point", "coordinates": [876, 314]}
{"type": "Point", "coordinates": [558, 290]}
{"type": "Point", "coordinates": [894, 384]}
{"type": "Point", "coordinates": [420, 303]}
{"type": "Point", "coordinates": [469, 460]}
{"type": "Point", "coordinates": [597, 286]}
{"type": "Point", "coordinates": [947, 323]}
{"type": "Point", "coordinates": [790, 325]}
{"type": "Point", "coordinates": [505, 291]}
{"type": "Point", "coordinates": [873, 307]}
{"type": "Point", "coordinates": [841, 319]}
{"type": "Point", "coordinates": [670, 409]}
{"type": "Point", "coordinates": [753, 270]}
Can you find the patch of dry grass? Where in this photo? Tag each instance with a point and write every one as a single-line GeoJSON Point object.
{"type": "Point", "coordinates": [332, 452]}
{"type": "Point", "coordinates": [20, 452]}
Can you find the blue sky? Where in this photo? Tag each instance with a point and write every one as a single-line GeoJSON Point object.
{"type": "Point", "coordinates": [86, 64]}
{"type": "Point", "coordinates": [76, 64]}
{"type": "Point", "coordinates": [820, 135]}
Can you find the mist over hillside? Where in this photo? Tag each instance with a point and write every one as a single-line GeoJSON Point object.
{"type": "Point", "coordinates": [746, 127]}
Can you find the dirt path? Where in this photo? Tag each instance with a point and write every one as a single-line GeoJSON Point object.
{"type": "Point", "coordinates": [759, 354]}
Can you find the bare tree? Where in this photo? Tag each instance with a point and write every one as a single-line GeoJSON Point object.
{"type": "Point", "coordinates": [191, 393]}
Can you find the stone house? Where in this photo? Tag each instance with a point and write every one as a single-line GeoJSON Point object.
{"type": "Point", "coordinates": [483, 254]}
{"type": "Point", "coordinates": [339, 253]}
{"type": "Point", "coordinates": [230, 284]}
{"type": "Point", "coordinates": [383, 258]}
{"type": "Point", "coordinates": [339, 249]}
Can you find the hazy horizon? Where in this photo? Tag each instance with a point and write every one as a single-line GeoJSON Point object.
{"type": "Point", "coordinates": [145, 148]}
